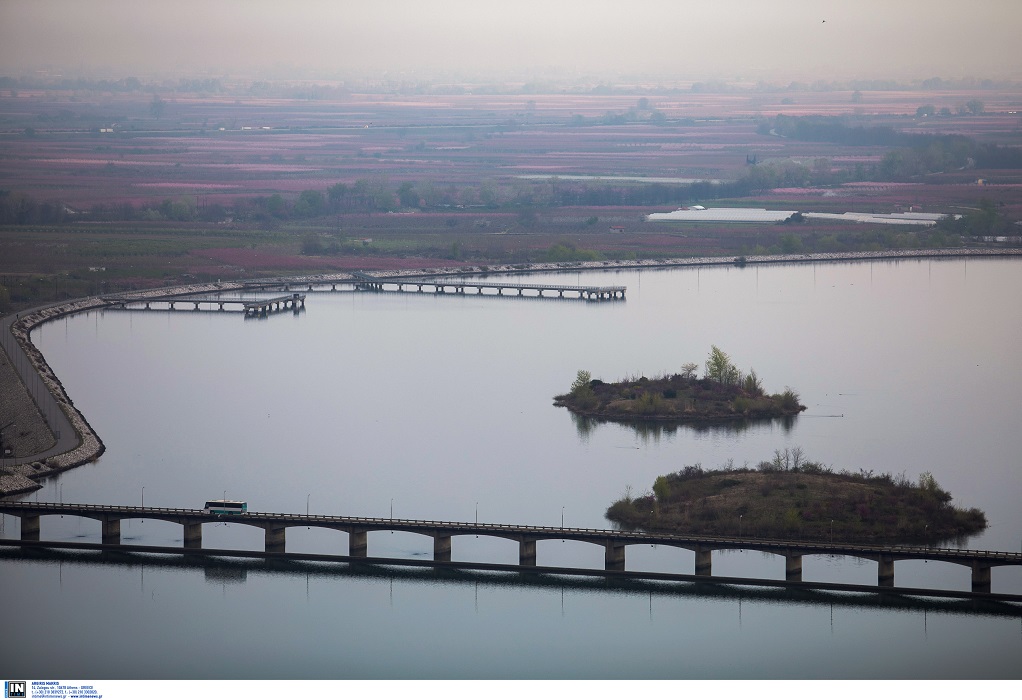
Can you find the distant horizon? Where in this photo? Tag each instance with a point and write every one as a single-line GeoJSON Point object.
{"type": "Point", "coordinates": [552, 81]}
{"type": "Point", "coordinates": [520, 40]}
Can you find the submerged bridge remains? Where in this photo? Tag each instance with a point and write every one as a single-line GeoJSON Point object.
{"type": "Point", "coordinates": [614, 542]}
{"type": "Point", "coordinates": [252, 307]}
{"type": "Point", "coordinates": [438, 286]}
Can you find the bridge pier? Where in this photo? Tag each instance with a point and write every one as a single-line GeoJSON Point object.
{"type": "Point", "coordinates": [111, 530]}
{"type": "Point", "coordinates": [193, 534]}
{"type": "Point", "coordinates": [441, 547]}
{"type": "Point", "coordinates": [704, 562]}
{"type": "Point", "coordinates": [614, 559]}
{"type": "Point", "coordinates": [527, 553]}
{"type": "Point", "coordinates": [793, 567]}
{"type": "Point", "coordinates": [358, 543]}
{"type": "Point", "coordinates": [980, 578]}
{"type": "Point", "coordinates": [30, 528]}
{"type": "Point", "coordinates": [275, 538]}
{"type": "Point", "coordinates": [885, 572]}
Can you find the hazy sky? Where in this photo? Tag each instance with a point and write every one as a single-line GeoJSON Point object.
{"type": "Point", "coordinates": [688, 39]}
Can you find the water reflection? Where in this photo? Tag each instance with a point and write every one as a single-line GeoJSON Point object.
{"type": "Point", "coordinates": [222, 571]}
{"type": "Point", "coordinates": [651, 432]}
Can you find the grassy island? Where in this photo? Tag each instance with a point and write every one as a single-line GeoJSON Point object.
{"type": "Point", "coordinates": [723, 394]}
{"type": "Point", "coordinates": [791, 497]}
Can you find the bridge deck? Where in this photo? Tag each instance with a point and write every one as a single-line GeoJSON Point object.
{"type": "Point", "coordinates": [250, 306]}
{"type": "Point", "coordinates": [432, 527]}
{"type": "Point", "coordinates": [440, 286]}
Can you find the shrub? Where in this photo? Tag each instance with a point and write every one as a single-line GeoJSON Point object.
{"type": "Point", "coordinates": [790, 399]}
{"type": "Point", "coordinates": [753, 385]}
{"type": "Point", "coordinates": [691, 471]}
{"type": "Point", "coordinates": [623, 511]}
{"type": "Point", "coordinates": [649, 403]}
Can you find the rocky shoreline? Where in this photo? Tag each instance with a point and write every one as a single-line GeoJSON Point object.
{"type": "Point", "coordinates": [86, 446]}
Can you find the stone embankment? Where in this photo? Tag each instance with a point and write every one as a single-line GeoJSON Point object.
{"type": "Point", "coordinates": [85, 446]}
{"type": "Point", "coordinates": [522, 268]}
{"type": "Point", "coordinates": [22, 472]}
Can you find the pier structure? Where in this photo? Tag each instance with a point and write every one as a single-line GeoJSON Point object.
{"type": "Point", "coordinates": [368, 282]}
{"type": "Point", "coordinates": [614, 542]}
{"type": "Point", "coordinates": [252, 307]}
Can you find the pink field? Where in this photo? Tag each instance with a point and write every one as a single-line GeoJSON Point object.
{"type": "Point", "coordinates": [460, 140]}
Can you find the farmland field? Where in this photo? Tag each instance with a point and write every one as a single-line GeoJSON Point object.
{"type": "Point", "coordinates": [108, 189]}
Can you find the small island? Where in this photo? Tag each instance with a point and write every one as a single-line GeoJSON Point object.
{"type": "Point", "coordinates": [791, 497]}
{"type": "Point", "coordinates": [723, 394]}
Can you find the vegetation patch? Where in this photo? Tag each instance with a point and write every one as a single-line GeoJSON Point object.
{"type": "Point", "coordinates": [724, 393]}
{"type": "Point", "coordinates": [795, 498]}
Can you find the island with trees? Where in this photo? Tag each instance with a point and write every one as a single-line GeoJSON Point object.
{"type": "Point", "coordinates": [723, 394]}
{"type": "Point", "coordinates": [795, 498]}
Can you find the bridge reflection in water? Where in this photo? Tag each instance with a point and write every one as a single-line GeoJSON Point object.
{"type": "Point", "coordinates": [614, 542]}
{"type": "Point", "coordinates": [234, 570]}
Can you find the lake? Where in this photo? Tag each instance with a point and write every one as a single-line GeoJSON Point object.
{"type": "Point", "coordinates": [440, 407]}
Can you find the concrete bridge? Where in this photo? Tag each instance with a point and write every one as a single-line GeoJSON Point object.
{"type": "Point", "coordinates": [614, 542]}
{"type": "Point", "coordinates": [437, 286]}
{"type": "Point", "coordinates": [251, 307]}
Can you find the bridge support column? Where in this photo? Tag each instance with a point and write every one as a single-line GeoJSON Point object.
{"type": "Point", "coordinates": [193, 534]}
{"type": "Point", "coordinates": [527, 553]}
{"type": "Point", "coordinates": [30, 528]}
{"type": "Point", "coordinates": [441, 547]}
{"type": "Point", "coordinates": [358, 543]}
{"type": "Point", "coordinates": [111, 530]}
{"type": "Point", "coordinates": [704, 562]}
{"type": "Point", "coordinates": [885, 572]}
{"type": "Point", "coordinates": [275, 538]}
{"type": "Point", "coordinates": [793, 567]}
{"type": "Point", "coordinates": [980, 578]}
{"type": "Point", "coordinates": [614, 559]}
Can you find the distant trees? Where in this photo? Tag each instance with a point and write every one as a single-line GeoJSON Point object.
{"type": "Point", "coordinates": [157, 107]}
{"type": "Point", "coordinates": [310, 203]}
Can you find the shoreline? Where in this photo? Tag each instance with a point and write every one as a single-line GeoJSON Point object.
{"type": "Point", "coordinates": [76, 443]}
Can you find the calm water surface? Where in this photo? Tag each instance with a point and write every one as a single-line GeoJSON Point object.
{"type": "Point", "coordinates": [441, 408]}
